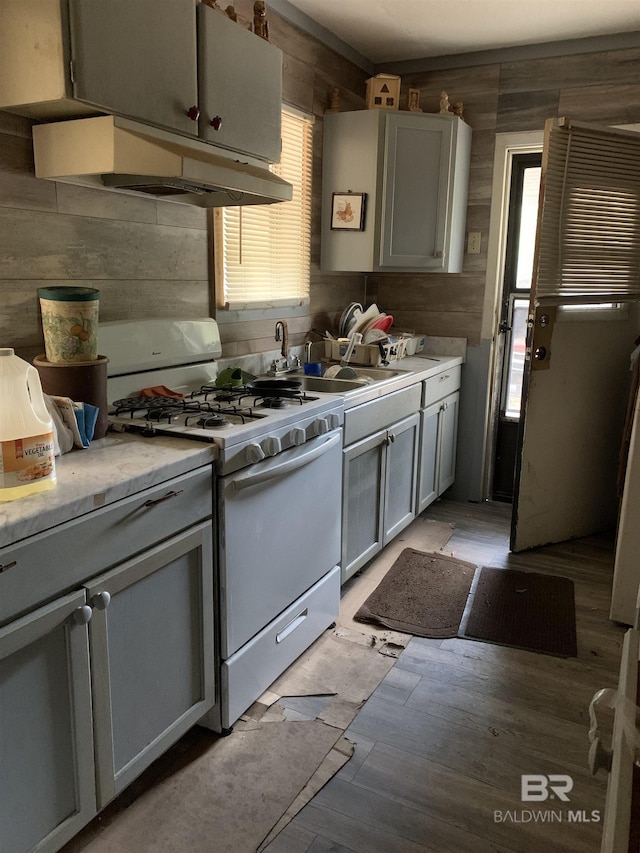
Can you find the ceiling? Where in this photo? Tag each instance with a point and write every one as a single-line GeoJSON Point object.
{"type": "Point", "coordinates": [396, 30]}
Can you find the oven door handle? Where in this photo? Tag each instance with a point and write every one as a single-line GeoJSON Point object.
{"type": "Point", "coordinates": [245, 481]}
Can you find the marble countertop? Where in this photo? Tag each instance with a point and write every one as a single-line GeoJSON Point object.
{"type": "Point", "coordinates": [122, 464]}
{"type": "Point", "coordinates": [111, 468]}
{"type": "Point", "coordinates": [412, 369]}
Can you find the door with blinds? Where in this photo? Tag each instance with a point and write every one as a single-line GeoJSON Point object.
{"type": "Point", "coordinates": [582, 324]}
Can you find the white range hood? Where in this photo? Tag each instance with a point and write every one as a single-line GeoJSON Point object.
{"type": "Point", "coordinates": [124, 155]}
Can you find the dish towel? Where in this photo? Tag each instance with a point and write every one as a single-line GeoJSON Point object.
{"type": "Point", "coordinates": [79, 418]}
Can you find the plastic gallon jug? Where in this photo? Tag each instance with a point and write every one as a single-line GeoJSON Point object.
{"type": "Point", "coordinates": [27, 462]}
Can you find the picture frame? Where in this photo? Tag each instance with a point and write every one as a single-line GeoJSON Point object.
{"type": "Point", "coordinates": [347, 211]}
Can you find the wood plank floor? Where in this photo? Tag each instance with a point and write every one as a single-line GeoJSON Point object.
{"type": "Point", "coordinates": [442, 743]}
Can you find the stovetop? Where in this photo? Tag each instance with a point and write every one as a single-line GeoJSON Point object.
{"type": "Point", "coordinates": [211, 413]}
{"type": "Point", "coordinates": [242, 426]}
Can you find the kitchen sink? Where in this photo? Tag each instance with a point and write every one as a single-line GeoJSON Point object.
{"type": "Point", "coordinates": [364, 376]}
{"type": "Point", "coordinates": [330, 386]}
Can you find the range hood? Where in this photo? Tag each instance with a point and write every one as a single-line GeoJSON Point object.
{"type": "Point", "coordinates": [124, 155]}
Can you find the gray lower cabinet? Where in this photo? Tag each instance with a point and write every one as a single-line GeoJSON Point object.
{"type": "Point", "coordinates": [46, 737]}
{"type": "Point", "coordinates": [379, 486]}
{"type": "Point", "coordinates": [152, 667]}
{"type": "Point", "coordinates": [106, 655]}
{"type": "Point", "coordinates": [438, 436]}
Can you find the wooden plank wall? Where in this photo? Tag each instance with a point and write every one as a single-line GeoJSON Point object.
{"type": "Point", "coordinates": [151, 258]}
{"type": "Point", "coordinates": [601, 88]}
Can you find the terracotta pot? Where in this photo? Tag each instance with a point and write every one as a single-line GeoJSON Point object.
{"type": "Point", "coordinates": [83, 382]}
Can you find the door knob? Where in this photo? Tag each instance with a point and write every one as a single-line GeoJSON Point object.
{"type": "Point", "coordinates": [193, 113]}
{"type": "Point", "coordinates": [216, 122]}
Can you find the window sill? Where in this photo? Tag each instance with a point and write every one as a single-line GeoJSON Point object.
{"type": "Point", "coordinates": [243, 315]}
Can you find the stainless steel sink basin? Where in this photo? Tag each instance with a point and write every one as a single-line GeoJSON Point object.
{"type": "Point", "coordinates": [331, 386]}
{"type": "Point", "coordinates": [365, 376]}
{"type": "Point", "coordinates": [379, 374]}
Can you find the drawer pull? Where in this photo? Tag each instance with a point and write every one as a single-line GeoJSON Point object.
{"type": "Point", "coordinates": [291, 627]}
{"type": "Point", "coordinates": [163, 498]}
{"type": "Point", "coordinates": [5, 566]}
{"type": "Point", "coordinates": [444, 378]}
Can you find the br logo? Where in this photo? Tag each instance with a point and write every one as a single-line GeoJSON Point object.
{"type": "Point", "coordinates": [536, 787]}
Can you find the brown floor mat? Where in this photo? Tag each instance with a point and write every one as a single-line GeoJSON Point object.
{"type": "Point", "coordinates": [525, 610]}
{"type": "Point", "coordinates": [421, 594]}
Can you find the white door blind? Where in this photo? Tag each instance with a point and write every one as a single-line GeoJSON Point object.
{"type": "Point", "coordinates": [263, 251]}
{"type": "Point", "coordinates": [589, 221]}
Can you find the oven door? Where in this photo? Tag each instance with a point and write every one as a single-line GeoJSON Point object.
{"type": "Point", "coordinates": [278, 533]}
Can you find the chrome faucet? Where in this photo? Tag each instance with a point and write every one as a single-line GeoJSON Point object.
{"type": "Point", "coordinates": [287, 362]}
{"type": "Point", "coordinates": [282, 329]}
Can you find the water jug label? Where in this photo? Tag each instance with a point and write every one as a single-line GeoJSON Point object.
{"type": "Point", "coordinates": [26, 460]}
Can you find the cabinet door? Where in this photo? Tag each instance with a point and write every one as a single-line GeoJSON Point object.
{"type": "Point", "coordinates": [400, 476]}
{"type": "Point", "coordinates": [447, 441]}
{"type": "Point", "coordinates": [137, 59]}
{"type": "Point", "coordinates": [416, 181]}
{"type": "Point", "coordinates": [240, 78]}
{"type": "Point", "coordinates": [428, 456]}
{"type": "Point", "coordinates": [46, 746]}
{"type": "Point", "coordinates": [152, 659]}
{"type": "Point", "coordinates": [362, 496]}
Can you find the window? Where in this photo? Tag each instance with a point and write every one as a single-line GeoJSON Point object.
{"type": "Point", "coordinates": [521, 234]}
{"type": "Point", "coordinates": [263, 251]}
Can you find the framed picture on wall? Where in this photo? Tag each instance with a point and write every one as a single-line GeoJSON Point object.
{"type": "Point", "coordinates": [347, 211]}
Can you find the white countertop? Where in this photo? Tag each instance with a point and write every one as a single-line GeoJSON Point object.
{"type": "Point", "coordinates": [414, 369]}
{"type": "Point", "coordinates": [111, 468]}
{"type": "Point", "coordinates": [122, 464]}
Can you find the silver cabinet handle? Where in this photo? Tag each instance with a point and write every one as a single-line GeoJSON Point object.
{"type": "Point", "coordinates": [101, 600]}
{"type": "Point", "coordinates": [5, 566]}
{"type": "Point", "coordinates": [166, 497]}
{"type": "Point", "coordinates": [83, 614]}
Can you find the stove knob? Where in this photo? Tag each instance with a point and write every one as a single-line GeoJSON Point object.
{"type": "Point", "coordinates": [253, 453]}
{"type": "Point", "coordinates": [321, 426]}
{"type": "Point", "coordinates": [271, 446]}
{"type": "Point", "coordinates": [297, 436]}
{"type": "Point", "coordinates": [333, 420]}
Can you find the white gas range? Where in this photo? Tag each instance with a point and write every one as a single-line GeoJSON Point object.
{"type": "Point", "coordinates": [277, 492]}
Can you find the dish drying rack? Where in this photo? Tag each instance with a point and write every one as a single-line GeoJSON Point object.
{"type": "Point", "coordinates": [371, 355]}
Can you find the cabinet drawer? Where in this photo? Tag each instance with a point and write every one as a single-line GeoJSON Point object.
{"type": "Point", "coordinates": [381, 413]}
{"type": "Point", "coordinates": [440, 385]}
{"type": "Point", "coordinates": [47, 565]}
{"type": "Point", "coordinates": [248, 673]}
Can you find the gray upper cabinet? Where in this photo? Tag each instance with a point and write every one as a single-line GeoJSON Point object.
{"type": "Point", "coordinates": [240, 87]}
{"type": "Point", "coordinates": [176, 65]}
{"type": "Point", "coordinates": [137, 59]}
{"type": "Point", "coordinates": [414, 170]}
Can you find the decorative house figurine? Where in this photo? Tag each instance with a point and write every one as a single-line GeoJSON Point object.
{"type": "Point", "coordinates": [383, 92]}
{"type": "Point", "coordinates": [458, 108]}
{"type": "Point", "coordinates": [444, 102]}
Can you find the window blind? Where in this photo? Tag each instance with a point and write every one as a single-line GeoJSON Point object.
{"type": "Point", "coordinates": [589, 221]}
{"type": "Point", "coordinates": [263, 251]}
